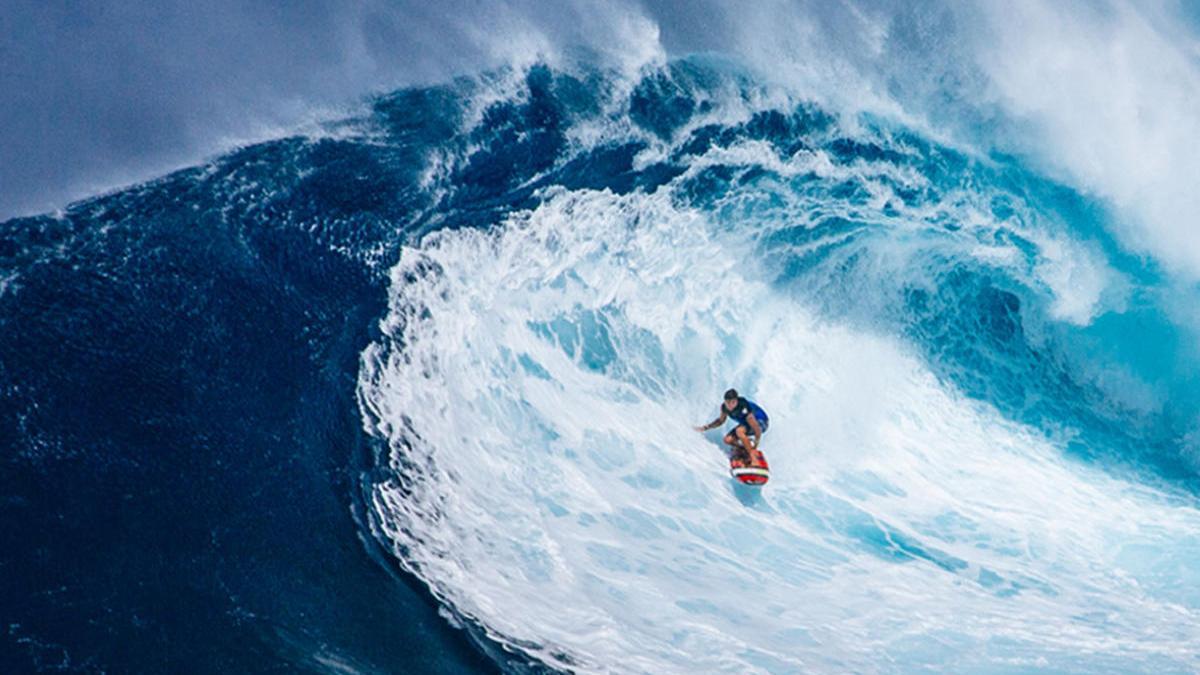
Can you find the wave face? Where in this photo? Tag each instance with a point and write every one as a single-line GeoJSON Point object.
{"type": "Point", "coordinates": [178, 428]}
{"type": "Point", "coordinates": [976, 466]}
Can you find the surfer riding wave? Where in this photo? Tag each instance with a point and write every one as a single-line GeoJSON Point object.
{"type": "Point", "coordinates": [751, 419]}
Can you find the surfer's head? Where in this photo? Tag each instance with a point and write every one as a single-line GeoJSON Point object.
{"type": "Point", "coordinates": [731, 398]}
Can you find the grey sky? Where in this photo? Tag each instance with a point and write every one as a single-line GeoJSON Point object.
{"type": "Point", "coordinates": [94, 95]}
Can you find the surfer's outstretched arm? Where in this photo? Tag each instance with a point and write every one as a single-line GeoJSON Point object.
{"type": "Point", "coordinates": [713, 424]}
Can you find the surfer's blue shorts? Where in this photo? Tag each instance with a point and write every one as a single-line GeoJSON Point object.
{"type": "Point", "coordinates": [762, 424]}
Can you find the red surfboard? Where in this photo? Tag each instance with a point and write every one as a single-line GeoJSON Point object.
{"type": "Point", "coordinates": [750, 472]}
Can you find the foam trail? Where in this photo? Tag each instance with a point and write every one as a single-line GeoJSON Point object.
{"type": "Point", "coordinates": [536, 388]}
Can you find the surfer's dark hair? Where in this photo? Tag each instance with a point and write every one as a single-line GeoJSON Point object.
{"type": "Point", "coordinates": [731, 395]}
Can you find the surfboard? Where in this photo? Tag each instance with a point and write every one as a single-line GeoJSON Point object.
{"type": "Point", "coordinates": [753, 473]}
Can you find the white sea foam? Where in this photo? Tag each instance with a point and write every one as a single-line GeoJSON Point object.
{"type": "Point", "coordinates": [536, 387]}
{"type": "Point", "coordinates": [1102, 96]}
{"type": "Point", "coordinates": [1111, 97]}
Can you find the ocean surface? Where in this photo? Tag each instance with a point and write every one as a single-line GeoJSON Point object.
{"type": "Point", "coordinates": [414, 392]}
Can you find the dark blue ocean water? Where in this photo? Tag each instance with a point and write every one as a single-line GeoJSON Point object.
{"type": "Point", "coordinates": [181, 442]}
{"type": "Point", "coordinates": [184, 467]}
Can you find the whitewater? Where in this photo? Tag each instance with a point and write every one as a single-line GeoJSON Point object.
{"type": "Point", "coordinates": [955, 485]}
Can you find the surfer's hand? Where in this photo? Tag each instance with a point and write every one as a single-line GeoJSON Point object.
{"type": "Point", "coordinates": [701, 429]}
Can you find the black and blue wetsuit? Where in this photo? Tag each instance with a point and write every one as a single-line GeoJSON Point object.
{"type": "Point", "coordinates": [743, 410]}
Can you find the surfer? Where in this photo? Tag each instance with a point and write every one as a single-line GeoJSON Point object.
{"type": "Point", "coordinates": [750, 418]}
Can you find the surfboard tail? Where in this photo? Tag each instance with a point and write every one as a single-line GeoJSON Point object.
{"type": "Point", "coordinates": [751, 475]}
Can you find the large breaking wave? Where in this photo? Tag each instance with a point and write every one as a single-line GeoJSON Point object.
{"type": "Point", "coordinates": [948, 247]}
{"type": "Point", "coordinates": [973, 468]}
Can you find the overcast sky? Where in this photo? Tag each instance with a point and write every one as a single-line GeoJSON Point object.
{"type": "Point", "coordinates": [100, 93]}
